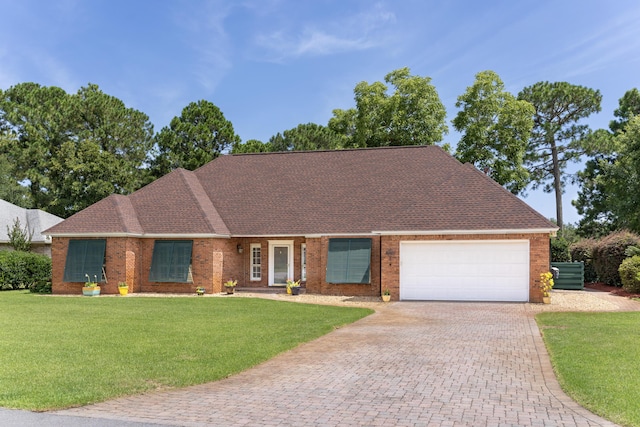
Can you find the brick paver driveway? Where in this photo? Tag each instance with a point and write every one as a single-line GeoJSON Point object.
{"type": "Point", "coordinates": [410, 364]}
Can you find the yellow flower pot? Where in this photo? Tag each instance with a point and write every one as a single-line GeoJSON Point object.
{"type": "Point", "coordinates": [123, 291]}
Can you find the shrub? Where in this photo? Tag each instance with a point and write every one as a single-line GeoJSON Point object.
{"type": "Point", "coordinates": [22, 270]}
{"type": "Point", "coordinates": [19, 237]}
{"type": "Point", "coordinates": [629, 271]}
{"type": "Point", "coordinates": [582, 250]}
{"type": "Point", "coordinates": [560, 250]}
{"type": "Point", "coordinates": [608, 254]}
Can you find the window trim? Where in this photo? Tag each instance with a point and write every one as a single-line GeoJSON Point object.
{"type": "Point", "coordinates": [172, 276]}
{"type": "Point", "coordinates": [334, 275]}
{"type": "Point", "coordinates": [303, 262]}
{"type": "Point", "coordinates": [253, 276]}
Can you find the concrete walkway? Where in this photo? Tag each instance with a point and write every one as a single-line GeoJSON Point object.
{"type": "Point", "coordinates": [410, 364]}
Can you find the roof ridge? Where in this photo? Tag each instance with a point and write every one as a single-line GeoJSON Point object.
{"type": "Point", "coordinates": [339, 150]}
{"type": "Point", "coordinates": [119, 201]}
{"type": "Point", "coordinates": [204, 203]}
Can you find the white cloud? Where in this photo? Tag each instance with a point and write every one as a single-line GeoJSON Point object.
{"type": "Point", "coordinates": [203, 26]}
{"type": "Point", "coordinates": [364, 30]}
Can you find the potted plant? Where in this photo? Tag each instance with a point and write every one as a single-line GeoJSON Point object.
{"type": "Point", "coordinates": [230, 285]}
{"type": "Point", "coordinates": [123, 288]}
{"type": "Point", "coordinates": [200, 291]}
{"type": "Point", "coordinates": [386, 295]}
{"type": "Point", "coordinates": [90, 288]}
{"type": "Point", "coordinates": [293, 287]}
{"type": "Point", "coordinates": [546, 283]}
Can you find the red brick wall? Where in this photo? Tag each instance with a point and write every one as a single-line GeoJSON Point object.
{"type": "Point", "coordinates": [317, 250]}
{"type": "Point", "coordinates": [217, 260]}
{"type": "Point", "coordinates": [539, 258]}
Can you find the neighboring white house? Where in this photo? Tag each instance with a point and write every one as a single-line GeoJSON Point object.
{"type": "Point", "coordinates": [34, 219]}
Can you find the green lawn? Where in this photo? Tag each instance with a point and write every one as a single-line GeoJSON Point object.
{"type": "Point", "coordinates": [596, 357]}
{"type": "Point", "coordinates": [58, 352]}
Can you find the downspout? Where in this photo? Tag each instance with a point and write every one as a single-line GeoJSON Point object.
{"type": "Point", "coordinates": [380, 266]}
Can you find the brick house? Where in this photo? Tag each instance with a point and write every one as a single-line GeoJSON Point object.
{"type": "Point", "coordinates": [413, 220]}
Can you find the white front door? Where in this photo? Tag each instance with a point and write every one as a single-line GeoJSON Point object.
{"type": "Point", "coordinates": [280, 262]}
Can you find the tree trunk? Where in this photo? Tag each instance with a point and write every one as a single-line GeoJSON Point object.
{"type": "Point", "coordinates": [557, 184]}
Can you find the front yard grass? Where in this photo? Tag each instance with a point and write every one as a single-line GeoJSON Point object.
{"type": "Point", "coordinates": [58, 352]}
{"type": "Point", "coordinates": [596, 359]}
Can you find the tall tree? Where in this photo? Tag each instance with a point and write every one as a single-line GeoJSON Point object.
{"type": "Point", "coordinates": [198, 136]}
{"type": "Point", "coordinates": [629, 106]}
{"type": "Point", "coordinates": [620, 180]}
{"type": "Point", "coordinates": [74, 150]}
{"type": "Point", "coordinates": [595, 198]}
{"type": "Point", "coordinates": [558, 137]}
{"type": "Point", "coordinates": [40, 118]}
{"type": "Point", "coordinates": [251, 146]}
{"type": "Point", "coordinates": [307, 137]}
{"type": "Point", "coordinates": [412, 115]}
{"type": "Point", "coordinates": [10, 188]}
{"type": "Point", "coordinates": [495, 129]}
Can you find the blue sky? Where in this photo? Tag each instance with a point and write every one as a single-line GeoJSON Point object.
{"type": "Point", "coordinates": [270, 65]}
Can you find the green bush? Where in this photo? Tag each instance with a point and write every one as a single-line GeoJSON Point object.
{"type": "Point", "coordinates": [629, 270]}
{"type": "Point", "coordinates": [560, 250]}
{"type": "Point", "coordinates": [609, 252]}
{"type": "Point", "coordinates": [582, 250]}
{"type": "Point", "coordinates": [22, 270]}
{"type": "Point", "coordinates": [41, 287]}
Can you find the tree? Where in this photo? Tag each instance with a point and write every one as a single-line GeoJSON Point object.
{"type": "Point", "coordinates": [593, 201]}
{"type": "Point", "coordinates": [251, 146]}
{"type": "Point", "coordinates": [19, 237]}
{"type": "Point", "coordinates": [412, 115]}
{"type": "Point", "coordinates": [40, 119]}
{"type": "Point", "coordinates": [10, 188]}
{"type": "Point", "coordinates": [557, 137]}
{"type": "Point", "coordinates": [195, 138]}
{"type": "Point", "coordinates": [495, 129]}
{"type": "Point", "coordinates": [612, 195]}
{"type": "Point", "coordinates": [307, 137]}
{"type": "Point", "coordinates": [74, 150]}
{"type": "Point", "coordinates": [629, 106]}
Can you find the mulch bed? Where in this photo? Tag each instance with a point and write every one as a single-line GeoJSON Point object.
{"type": "Point", "coordinates": [597, 286]}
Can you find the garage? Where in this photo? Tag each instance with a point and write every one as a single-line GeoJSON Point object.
{"type": "Point", "coordinates": [487, 270]}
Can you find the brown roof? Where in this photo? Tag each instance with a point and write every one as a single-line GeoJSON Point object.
{"type": "Point", "coordinates": [396, 189]}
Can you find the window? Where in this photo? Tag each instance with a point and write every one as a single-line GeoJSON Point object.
{"type": "Point", "coordinates": [303, 262]}
{"type": "Point", "coordinates": [256, 261]}
{"type": "Point", "coordinates": [171, 261]}
{"type": "Point", "coordinates": [349, 261]}
{"type": "Point", "coordinates": [85, 258]}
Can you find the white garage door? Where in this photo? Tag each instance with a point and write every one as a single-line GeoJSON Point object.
{"type": "Point", "coordinates": [465, 270]}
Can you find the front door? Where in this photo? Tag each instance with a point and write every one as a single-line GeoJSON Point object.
{"type": "Point", "coordinates": [280, 262]}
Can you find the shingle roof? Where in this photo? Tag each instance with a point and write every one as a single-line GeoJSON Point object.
{"type": "Point", "coordinates": [35, 219]}
{"type": "Point", "coordinates": [396, 189]}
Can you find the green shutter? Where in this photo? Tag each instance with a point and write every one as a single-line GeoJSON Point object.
{"type": "Point", "coordinates": [359, 261]}
{"type": "Point", "coordinates": [349, 261]}
{"type": "Point", "coordinates": [171, 261]}
{"type": "Point", "coordinates": [84, 257]}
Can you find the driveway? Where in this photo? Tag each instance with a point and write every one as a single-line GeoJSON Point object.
{"type": "Point", "coordinates": [409, 364]}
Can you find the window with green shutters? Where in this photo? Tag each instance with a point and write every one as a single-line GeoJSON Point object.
{"type": "Point", "coordinates": [349, 261]}
{"type": "Point", "coordinates": [171, 261]}
{"type": "Point", "coordinates": [85, 260]}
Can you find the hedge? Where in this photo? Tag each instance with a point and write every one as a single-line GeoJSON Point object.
{"type": "Point", "coordinates": [560, 250]}
{"type": "Point", "coordinates": [24, 270]}
{"type": "Point", "coordinates": [582, 250]}
{"type": "Point", "coordinates": [608, 254]}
